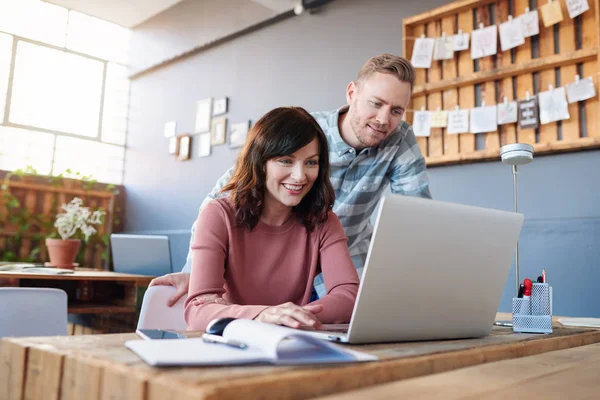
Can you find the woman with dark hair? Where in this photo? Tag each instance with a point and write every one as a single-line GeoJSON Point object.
{"type": "Point", "coordinates": [257, 251]}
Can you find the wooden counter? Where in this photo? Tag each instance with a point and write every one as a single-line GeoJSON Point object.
{"type": "Point", "coordinates": [100, 367]}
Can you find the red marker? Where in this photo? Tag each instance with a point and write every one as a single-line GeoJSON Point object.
{"type": "Point", "coordinates": [528, 285]}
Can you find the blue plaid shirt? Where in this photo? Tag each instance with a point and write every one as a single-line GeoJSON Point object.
{"type": "Point", "coordinates": [359, 181]}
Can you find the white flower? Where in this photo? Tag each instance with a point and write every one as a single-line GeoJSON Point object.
{"type": "Point", "coordinates": [77, 217]}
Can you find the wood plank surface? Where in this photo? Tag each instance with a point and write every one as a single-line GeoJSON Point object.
{"type": "Point", "coordinates": [450, 96]}
{"type": "Point", "coordinates": [563, 374]}
{"type": "Point", "coordinates": [434, 100]}
{"type": "Point", "coordinates": [102, 367]}
{"type": "Point", "coordinates": [526, 66]}
{"type": "Point", "coordinates": [507, 132]}
{"type": "Point", "coordinates": [570, 129]}
{"type": "Point", "coordinates": [548, 132]}
{"type": "Point", "coordinates": [80, 274]}
{"type": "Point", "coordinates": [524, 80]}
{"type": "Point", "coordinates": [466, 94]}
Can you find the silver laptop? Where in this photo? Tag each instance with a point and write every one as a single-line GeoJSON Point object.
{"type": "Point", "coordinates": [434, 270]}
{"type": "Point", "coordinates": [141, 254]}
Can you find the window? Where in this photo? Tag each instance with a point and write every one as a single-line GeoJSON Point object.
{"type": "Point", "coordinates": [64, 91]}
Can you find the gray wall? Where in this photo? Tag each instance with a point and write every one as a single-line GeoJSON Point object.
{"type": "Point", "coordinates": [308, 61]}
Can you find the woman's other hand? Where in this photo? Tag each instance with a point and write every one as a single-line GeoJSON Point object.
{"type": "Point", "coordinates": [179, 280]}
{"type": "Point", "coordinates": [292, 315]}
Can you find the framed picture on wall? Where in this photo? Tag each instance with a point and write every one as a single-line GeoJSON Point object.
{"type": "Point", "coordinates": [183, 152]}
{"type": "Point", "coordinates": [220, 106]}
{"type": "Point", "coordinates": [170, 129]}
{"type": "Point", "coordinates": [238, 134]}
{"type": "Point", "coordinates": [203, 115]}
{"type": "Point", "coordinates": [204, 144]}
{"type": "Point", "coordinates": [173, 145]}
{"type": "Point", "coordinates": [218, 130]}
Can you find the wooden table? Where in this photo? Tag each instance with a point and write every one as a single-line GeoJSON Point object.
{"type": "Point", "coordinates": [563, 374]}
{"type": "Point", "coordinates": [100, 367]}
{"type": "Point", "coordinates": [89, 291]}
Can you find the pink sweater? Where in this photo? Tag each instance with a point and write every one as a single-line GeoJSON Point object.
{"type": "Point", "coordinates": [270, 265]}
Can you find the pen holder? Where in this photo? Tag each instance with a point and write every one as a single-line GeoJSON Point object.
{"type": "Point", "coordinates": [534, 314]}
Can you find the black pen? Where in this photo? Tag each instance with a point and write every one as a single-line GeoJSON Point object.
{"type": "Point", "coordinates": [207, 337]}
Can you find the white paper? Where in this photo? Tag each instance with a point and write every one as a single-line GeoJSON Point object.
{"type": "Point", "coordinates": [553, 105]}
{"type": "Point", "coordinates": [582, 90]}
{"type": "Point", "coordinates": [483, 119]}
{"type": "Point", "coordinates": [203, 116]}
{"type": "Point", "coordinates": [531, 23]}
{"type": "Point", "coordinates": [444, 48]}
{"type": "Point", "coordinates": [461, 41]}
{"type": "Point", "coordinates": [239, 132]}
{"type": "Point", "coordinates": [422, 123]}
{"type": "Point", "coordinates": [507, 112]}
{"type": "Point", "coordinates": [458, 121]}
{"type": "Point", "coordinates": [422, 53]}
{"type": "Point", "coordinates": [577, 7]}
{"type": "Point", "coordinates": [439, 119]}
{"type": "Point", "coordinates": [511, 35]}
{"type": "Point", "coordinates": [170, 129]}
{"type": "Point", "coordinates": [204, 144]}
{"type": "Point", "coordinates": [484, 42]}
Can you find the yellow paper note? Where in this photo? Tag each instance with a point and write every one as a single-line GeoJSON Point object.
{"type": "Point", "coordinates": [551, 13]}
{"type": "Point", "coordinates": [439, 119]}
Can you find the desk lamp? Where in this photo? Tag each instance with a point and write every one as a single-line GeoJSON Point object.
{"type": "Point", "coordinates": [516, 154]}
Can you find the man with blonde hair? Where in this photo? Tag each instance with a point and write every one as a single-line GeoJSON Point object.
{"type": "Point", "coordinates": [370, 146]}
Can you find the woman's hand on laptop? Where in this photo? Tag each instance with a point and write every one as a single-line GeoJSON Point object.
{"type": "Point", "coordinates": [179, 280]}
{"type": "Point", "coordinates": [292, 315]}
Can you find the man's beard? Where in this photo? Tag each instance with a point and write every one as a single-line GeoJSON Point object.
{"type": "Point", "coordinates": [363, 134]}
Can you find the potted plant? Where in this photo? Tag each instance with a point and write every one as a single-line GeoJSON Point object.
{"type": "Point", "coordinates": [75, 223]}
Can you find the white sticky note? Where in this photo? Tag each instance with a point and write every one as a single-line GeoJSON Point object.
{"type": "Point", "coordinates": [553, 105]}
{"type": "Point", "coordinates": [422, 123]}
{"type": "Point", "coordinates": [422, 53]}
{"type": "Point", "coordinates": [461, 41]}
{"type": "Point", "coordinates": [582, 90]}
{"type": "Point", "coordinates": [439, 119]}
{"type": "Point", "coordinates": [483, 119]}
{"type": "Point", "coordinates": [531, 23]}
{"type": "Point", "coordinates": [507, 112]}
{"type": "Point", "coordinates": [458, 121]}
{"type": "Point", "coordinates": [577, 7]}
{"type": "Point", "coordinates": [511, 35]}
{"type": "Point", "coordinates": [444, 48]}
{"type": "Point", "coordinates": [484, 42]}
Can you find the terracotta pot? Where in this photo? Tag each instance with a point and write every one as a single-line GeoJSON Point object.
{"type": "Point", "coordinates": [63, 252]}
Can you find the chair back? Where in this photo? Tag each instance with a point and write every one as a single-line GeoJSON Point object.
{"type": "Point", "coordinates": [32, 312]}
{"type": "Point", "coordinates": [155, 314]}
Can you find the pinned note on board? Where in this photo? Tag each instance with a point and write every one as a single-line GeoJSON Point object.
{"type": "Point", "coordinates": [530, 21]}
{"type": "Point", "coordinates": [511, 34]}
{"type": "Point", "coordinates": [582, 89]}
{"type": "Point", "coordinates": [553, 105]}
{"type": "Point", "coordinates": [461, 41]}
{"type": "Point", "coordinates": [484, 42]}
{"type": "Point", "coordinates": [528, 113]}
{"type": "Point", "coordinates": [551, 13]}
{"type": "Point", "coordinates": [577, 7]}
{"type": "Point", "coordinates": [422, 123]}
{"type": "Point", "coordinates": [483, 119]}
{"type": "Point", "coordinates": [458, 121]}
{"type": "Point", "coordinates": [422, 52]}
{"type": "Point", "coordinates": [444, 48]}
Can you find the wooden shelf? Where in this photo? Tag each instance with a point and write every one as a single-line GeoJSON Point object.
{"type": "Point", "coordinates": [97, 308]}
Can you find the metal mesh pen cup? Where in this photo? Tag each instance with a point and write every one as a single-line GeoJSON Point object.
{"type": "Point", "coordinates": [534, 314]}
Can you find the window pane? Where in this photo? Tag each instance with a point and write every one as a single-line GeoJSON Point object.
{"type": "Point", "coordinates": [35, 20]}
{"type": "Point", "coordinates": [56, 90]}
{"type": "Point", "coordinates": [103, 161]}
{"type": "Point", "coordinates": [116, 101]}
{"type": "Point", "coordinates": [98, 38]}
{"type": "Point", "coordinates": [5, 57]}
{"type": "Point", "coordinates": [20, 148]}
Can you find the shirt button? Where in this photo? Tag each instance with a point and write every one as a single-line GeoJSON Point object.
{"type": "Point", "coordinates": [364, 188]}
{"type": "Point", "coordinates": [351, 150]}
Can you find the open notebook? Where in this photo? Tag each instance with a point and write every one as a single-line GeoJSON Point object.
{"type": "Point", "coordinates": [267, 343]}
